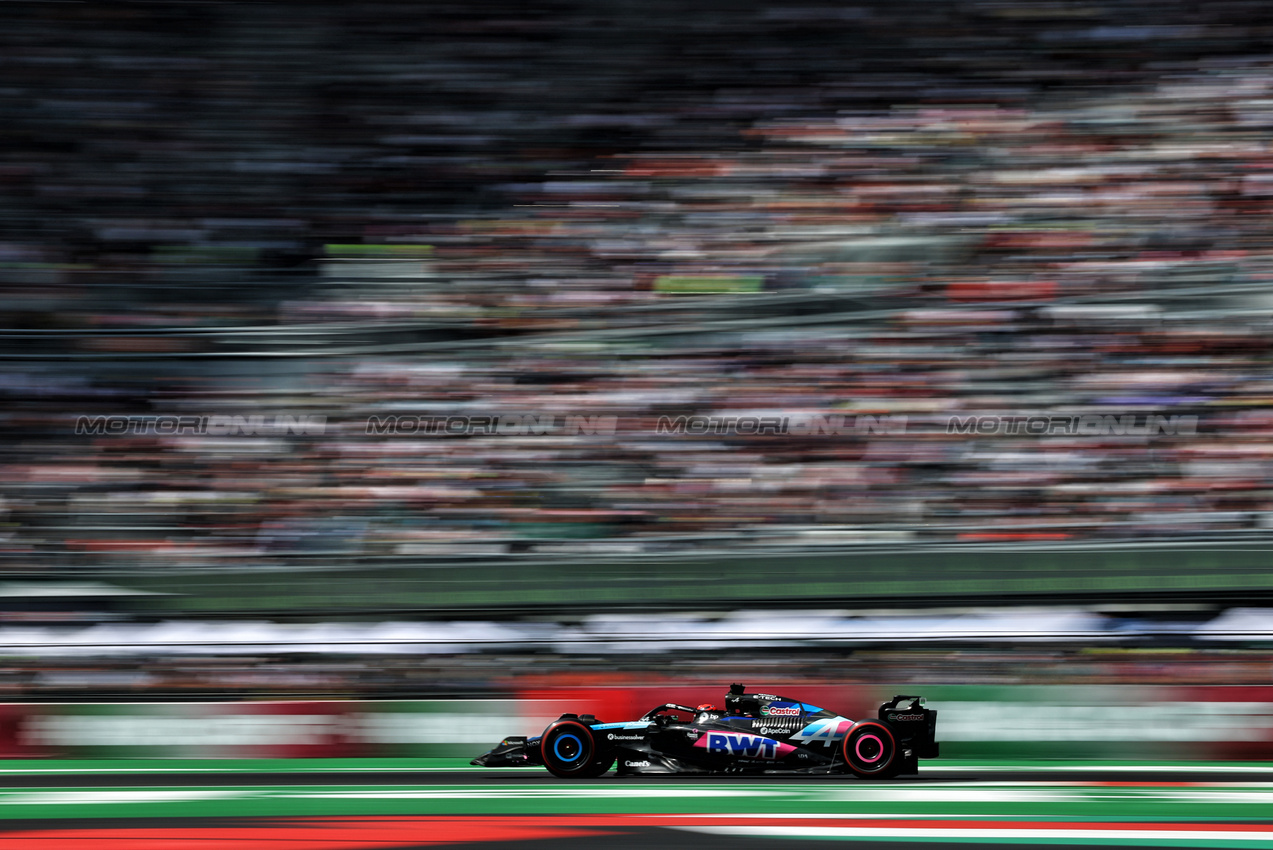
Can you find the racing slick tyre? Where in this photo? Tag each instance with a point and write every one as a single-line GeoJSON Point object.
{"type": "Point", "coordinates": [599, 766]}
{"type": "Point", "coordinates": [570, 751]}
{"type": "Point", "coordinates": [870, 750]}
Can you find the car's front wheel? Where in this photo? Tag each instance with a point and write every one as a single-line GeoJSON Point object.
{"type": "Point", "coordinates": [870, 750]}
{"type": "Point", "coordinates": [570, 751]}
{"type": "Point", "coordinates": [599, 767]}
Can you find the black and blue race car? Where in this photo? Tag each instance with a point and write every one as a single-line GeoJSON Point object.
{"type": "Point", "coordinates": [753, 733]}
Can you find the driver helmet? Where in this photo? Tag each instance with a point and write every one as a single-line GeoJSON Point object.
{"type": "Point", "coordinates": [707, 711]}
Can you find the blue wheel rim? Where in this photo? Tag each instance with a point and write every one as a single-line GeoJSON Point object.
{"type": "Point", "coordinates": [557, 747]}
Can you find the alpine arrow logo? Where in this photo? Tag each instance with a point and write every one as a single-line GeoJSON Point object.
{"type": "Point", "coordinates": [825, 732]}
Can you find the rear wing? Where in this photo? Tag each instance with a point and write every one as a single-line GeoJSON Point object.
{"type": "Point", "coordinates": [916, 725]}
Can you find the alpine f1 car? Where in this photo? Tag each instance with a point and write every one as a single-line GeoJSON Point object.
{"type": "Point", "coordinates": [754, 733]}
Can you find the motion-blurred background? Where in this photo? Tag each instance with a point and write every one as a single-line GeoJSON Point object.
{"type": "Point", "coordinates": [500, 357]}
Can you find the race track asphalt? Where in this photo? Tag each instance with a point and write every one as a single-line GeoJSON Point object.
{"type": "Point", "coordinates": [229, 777]}
{"type": "Point", "coordinates": [401, 805]}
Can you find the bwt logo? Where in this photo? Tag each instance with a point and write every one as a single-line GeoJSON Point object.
{"type": "Point", "coordinates": [800, 426]}
{"type": "Point", "coordinates": [747, 746]}
{"type": "Point", "coordinates": [1090, 425]}
{"type": "Point", "coordinates": [506, 425]}
{"type": "Point", "coordinates": [208, 426]}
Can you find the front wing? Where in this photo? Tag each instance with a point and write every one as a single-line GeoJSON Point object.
{"type": "Point", "coordinates": [514, 751]}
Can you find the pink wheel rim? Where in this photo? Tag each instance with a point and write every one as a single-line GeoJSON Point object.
{"type": "Point", "coordinates": [879, 755]}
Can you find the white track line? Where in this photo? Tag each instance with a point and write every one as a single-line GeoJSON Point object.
{"type": "Point", "coordinates": [1264, 836]}
{"type": "Point", "coordinates": [1097, 768]}
{"type": "Point", "coordinates": [34, 771]}
{"type": "Point", "coordinates": [119, 795]}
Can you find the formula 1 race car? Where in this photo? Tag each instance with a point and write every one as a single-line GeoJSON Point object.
{"type": "Point", "coordinates": [754, 733]}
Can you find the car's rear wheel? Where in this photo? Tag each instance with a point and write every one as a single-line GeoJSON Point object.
{"type": "Point", "coordinates": [870, 750]}
{"type": "Point", "coordinates": [570, 751]}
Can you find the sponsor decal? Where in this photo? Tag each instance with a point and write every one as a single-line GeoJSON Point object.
{"type": "Point", "coordinates": [825, 732]}
{"type": "Point", "coordinates": [903, 718]}
{"type": "Point", "coordinates": [636, 764]}
{"type": "Point", "coordinates": [781, 709]}
{"type": "Point", "coordinates": [637, 724]}
{"type": "Point", "coordinates": [610, 736]}
{"type": "Point", "coordinates": [744, 746]}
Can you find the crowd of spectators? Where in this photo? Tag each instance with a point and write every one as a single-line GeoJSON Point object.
{"type": "Point", "coordinates": [904, 210]}
{"type": "Point", "coordinates": [884, 451]}
{"type": "Point", "coordinates": [505, 675]}
{"type": "Point", "coordinates": [564, 154]}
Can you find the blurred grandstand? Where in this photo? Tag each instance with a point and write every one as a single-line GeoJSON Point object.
{"type": "Point", "coordinates": [624, 213]}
